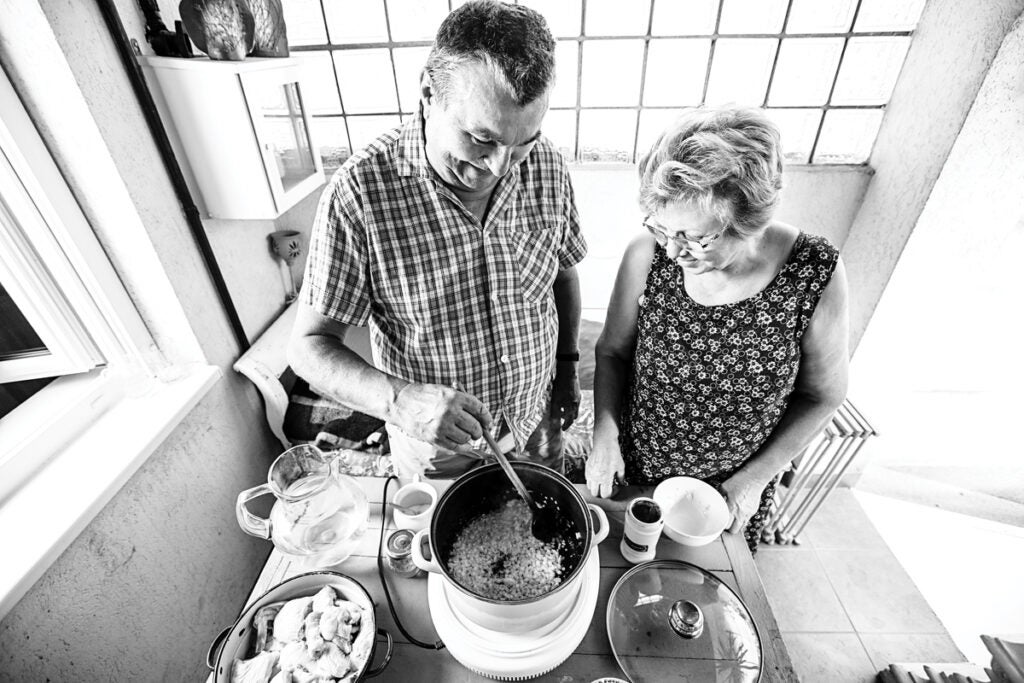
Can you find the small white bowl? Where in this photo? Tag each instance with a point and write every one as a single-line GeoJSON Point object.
{"type": "Point", "coordinates": [695, 513]}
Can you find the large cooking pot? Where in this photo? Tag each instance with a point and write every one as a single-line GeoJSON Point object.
{"type": "Point", "coordinates": [484, 490]}
{"type": "Point", "coordinates": [234, 643]}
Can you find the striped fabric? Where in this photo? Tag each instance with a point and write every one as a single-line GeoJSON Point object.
{"type": "Point", "coordinates": [448, 300]}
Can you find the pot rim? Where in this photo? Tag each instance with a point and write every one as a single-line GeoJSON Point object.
{"type": "Point", "coordinates": [558, 477]}
{"type": "Point", "coordinates": [246, 617]}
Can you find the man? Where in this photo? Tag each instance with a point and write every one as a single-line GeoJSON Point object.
{"type": "Point", "coordinates": [455, 238]}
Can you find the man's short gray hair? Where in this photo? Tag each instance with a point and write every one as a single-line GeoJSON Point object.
{"type": "Point", "coordinates": [726, 160]}
{"type": "Point", "coordinates": [513, 40]}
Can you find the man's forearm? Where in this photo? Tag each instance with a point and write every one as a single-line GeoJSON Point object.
{"type": "Point", "coordinates": [336, 371]}
{"type": "Point", "coordinates": [567, 304]}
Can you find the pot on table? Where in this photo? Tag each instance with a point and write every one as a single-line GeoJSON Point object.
{"type": "Point", "coordinates": [234, 643]}
{"type": "Point", "coordinates": [484, 490]}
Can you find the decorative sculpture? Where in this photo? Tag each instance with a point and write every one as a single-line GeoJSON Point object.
{"type": "Point", "coordinates": [232, 29]}
{"type": "Point", "coordinates": [223, 29]}
{"type": "Point", "coordinates": [271, 36]}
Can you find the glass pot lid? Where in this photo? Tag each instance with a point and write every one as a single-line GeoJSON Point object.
{"type": "Point", "coordinates": [668, 619]}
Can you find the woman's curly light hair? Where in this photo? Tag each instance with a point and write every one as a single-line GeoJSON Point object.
{"type": "Point", "coordinates": [726, 160]}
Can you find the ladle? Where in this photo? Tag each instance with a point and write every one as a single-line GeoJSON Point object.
{"type": "Point", "coordinates": [544, 523]}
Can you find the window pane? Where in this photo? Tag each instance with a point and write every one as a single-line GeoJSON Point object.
{"type": "Point", "coordinates": [365, 129]}
{"type": "Point", "coordinates": [319, 91]}
{"type": "Point", "coordinates": [888, 15]}
{"type": "Point", "coordinates": [416, 19]}
{"type": "Point", "coordinates": [673, 18]}
{"type": "Point", "coordinates": [798, 128]}
{"type": "Point", "coordinates": [560, 127]}
{"type": "Point", "coordinates": [17, 338]}
{"type": "Point", "coordinates": [13, 394]}
{"type": "Point", "coordinates": [409, 63]}
{"type": "Point", "coordinates": [740, 70]}
{"type": "Point", "coordinates": [563, 16]}
{"type": "Point", "coordinates": [869, 70]}
{"type": "Point", "coordinates": [304, 22]}
{"type": "Point", "coordinates": [355, 21]}
{"type": "Point", "coordinates": [617, 18]}
{"type": "Point", "coordinates": [820, 16]}
{"type": "Point", "coordinates": [566, 70]}
{"type": "Point", "coordinates": [675, 72]}
{"type": "Point", "coordinates": [331, 138]}
{"type": "Point", "coordinates": [367, 82]}
{"type": "Point", "coordinates": [607, 135]}
{"type": "Point", "coordinates": [652, 123]}
{"type": "Point", "coordinates": [611, 72]}
{"type": "Point", "coordinates": [805, 71]}
{"type": "Point", "coordinates": [285, 130]}
{"type": "Point", "coordinates": [847, 136]}
{"type": "Point", "coordinates": [752, 16]}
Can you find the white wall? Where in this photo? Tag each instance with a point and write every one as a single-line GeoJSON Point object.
{"type": "Point", "coordinates": [953, 46]}
{"type": "Point", "coordinates": [941, 365]}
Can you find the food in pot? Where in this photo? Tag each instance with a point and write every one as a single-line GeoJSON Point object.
{"type": "Point", "coordinates": [496, 556]}
{"type": "Point", "coordinates": [318, 638]}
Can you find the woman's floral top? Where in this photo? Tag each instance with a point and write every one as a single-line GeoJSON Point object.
{"type": "Point", "coordinates": [710, 383]}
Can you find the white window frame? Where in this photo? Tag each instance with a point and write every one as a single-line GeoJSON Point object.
{"type": "Point", "coordinates": [55, 270]}
{"type": "Point", "coordinates": [38, 276]}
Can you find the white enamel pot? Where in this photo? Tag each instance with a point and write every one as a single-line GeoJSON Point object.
{"type": "Point", "coordinates": [234, 643]}
{"type": "Point", "coordinates": [581, 527]}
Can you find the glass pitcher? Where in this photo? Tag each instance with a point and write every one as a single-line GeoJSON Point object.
{"type": "Point", "coordinates": [320, 514]}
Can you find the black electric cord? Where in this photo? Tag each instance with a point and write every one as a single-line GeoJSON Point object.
{"type": "Point", "coordinates": [383, 582]}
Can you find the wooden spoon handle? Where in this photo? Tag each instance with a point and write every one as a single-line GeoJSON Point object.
{"type": "Point", "coordinates": [505, 465]}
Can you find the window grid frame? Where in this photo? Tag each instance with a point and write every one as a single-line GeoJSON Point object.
{"type": "Point", "coordinates": [582, 37]}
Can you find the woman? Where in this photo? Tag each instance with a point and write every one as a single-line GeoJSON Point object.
{"type": "Point", "coordinates": [725, 347]}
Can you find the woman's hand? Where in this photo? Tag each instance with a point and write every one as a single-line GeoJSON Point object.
{"type": "Point", "coordinates": [604, 464]}
{"type": "Point", "coordinates": [743, 496]}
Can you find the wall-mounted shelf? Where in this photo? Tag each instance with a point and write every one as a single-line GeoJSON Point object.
{"type": "Point", "coordinates": [245, 130]}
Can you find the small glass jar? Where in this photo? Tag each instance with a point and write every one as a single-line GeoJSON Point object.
{"type": "Point", "coordinates": [398, 554]}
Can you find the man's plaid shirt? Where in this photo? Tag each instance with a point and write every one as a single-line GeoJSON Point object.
{"type": "Point", "coordinates": [449, 301]}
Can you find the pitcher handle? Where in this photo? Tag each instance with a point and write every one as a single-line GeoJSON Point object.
{"type": "Point", "coordinates": [250, 523]}
{"type": "Point", "coordinates": [418, 559]}
{"type": "Point", "coordinates": [601, 530]}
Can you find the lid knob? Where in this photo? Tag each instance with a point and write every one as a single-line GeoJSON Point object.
{"type": "Point", "coordinates": [686, 619]}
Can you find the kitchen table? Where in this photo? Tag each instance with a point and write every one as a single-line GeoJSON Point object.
{"type": "Point", "coordinates": [728, 558]}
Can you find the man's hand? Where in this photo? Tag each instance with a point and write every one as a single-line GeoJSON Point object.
{"type": "Point", "coordinates": [565, 393]}
{"type": "Point", "coordinates": [440, 415]}
{"type": "Point", "coordinates": [604, 464]}
{"type": "Point", "coordinates": [743, 496]}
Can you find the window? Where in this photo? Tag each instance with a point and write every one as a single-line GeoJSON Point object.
{"type": "Point", "coordinates": [65, 350]}
{"type": "Point", "coordinates": [823, 69]}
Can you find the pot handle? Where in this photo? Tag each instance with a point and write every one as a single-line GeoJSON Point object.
{"type": "Point", "coordinates": [601, 531]}
{"type": "Point", "coordinates": [250, 523]}
{"type": "Point", "coordinates": [387, 655]}
{"type": "Point", "coordinates": [418, 559]}
{"type": "Point", "coordinates": [215, 647]}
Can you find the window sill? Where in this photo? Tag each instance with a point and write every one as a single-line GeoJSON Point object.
{"type": "Point", "coordinates": [41, 520]}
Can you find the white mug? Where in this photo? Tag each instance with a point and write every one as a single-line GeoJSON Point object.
{"type": "Point", "coordinates": [641, 530]}
{"type": "Point", "coordinates": [420, 496]}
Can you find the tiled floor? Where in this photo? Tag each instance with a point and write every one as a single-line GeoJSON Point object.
{"type": "Point", "coordinates": [845, 605]}
{"type": "Point", "coordinates": [968, 569]}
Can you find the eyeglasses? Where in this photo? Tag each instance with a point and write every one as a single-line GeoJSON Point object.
{"type": "Point", "coordinates": [681, 240]}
